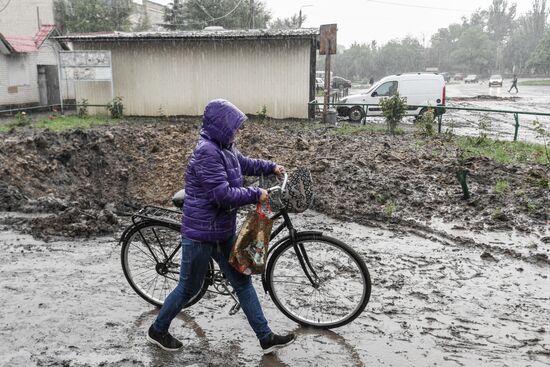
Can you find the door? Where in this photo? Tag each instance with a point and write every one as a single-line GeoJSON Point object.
{"type": "Point", "coordinates": [52, 84]}
{"type": "Point", "coordinates": [386, 89]}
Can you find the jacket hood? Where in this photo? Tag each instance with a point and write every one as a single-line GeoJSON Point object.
{"type": "Point", "coordinates": [221, 120]}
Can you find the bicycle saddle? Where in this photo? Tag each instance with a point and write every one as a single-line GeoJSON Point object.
{"type": "Point", "coordinates": [179, 198]}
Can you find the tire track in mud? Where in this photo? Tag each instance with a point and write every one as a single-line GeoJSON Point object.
{"type": "Point", "coordinates": [433, 301]}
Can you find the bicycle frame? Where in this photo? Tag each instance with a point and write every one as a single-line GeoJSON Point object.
{"type": "Point", "coordinates": [299, 249]}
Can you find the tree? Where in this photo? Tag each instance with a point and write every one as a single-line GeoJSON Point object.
{"type": "Point", "coordinates": [500, 19]}
{"type": "Point", "coordinates": [93, 15]}
{"type": "Point", "coordinates": [174, 15]}
{"type": "Point", "coordinates": [287, 23]}
{"type": "Point", "coordinates": [474, 51]}
{"type": "Point", "coordinates": [540, 58]}
{"type": "Point", "coordinates": [143, 23]}
{"type": "Point", "coordinates": [230, 14]}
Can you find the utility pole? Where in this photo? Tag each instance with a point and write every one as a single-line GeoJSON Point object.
{"type": "Point", "coordinates": [252, 25]}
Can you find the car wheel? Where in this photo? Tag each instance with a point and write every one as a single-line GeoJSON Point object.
{"type": "Point", "coordinates": [356, 114]}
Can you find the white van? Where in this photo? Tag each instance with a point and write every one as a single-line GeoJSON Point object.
{"type": "Point", "coordinates": [420, 89]}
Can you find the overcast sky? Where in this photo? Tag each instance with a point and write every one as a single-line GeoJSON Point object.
{"type": "Point", "coordinates": [380, 20]}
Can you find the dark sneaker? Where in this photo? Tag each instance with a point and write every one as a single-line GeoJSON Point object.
{"type": "Point", "coordinates": [165, 341]}
{"type": "Point", "coordinates": [277, 342]}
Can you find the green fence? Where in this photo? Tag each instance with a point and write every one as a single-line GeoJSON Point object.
{"type": "Point", "coordinates": [439, 112]}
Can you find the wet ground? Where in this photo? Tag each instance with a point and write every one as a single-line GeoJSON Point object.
{"type": "Point", "coordinates": [480, 95]}
{"type": "Point", "coordinates": [433, 302]}
{"type": "Point", "coordinates": [455, 282]}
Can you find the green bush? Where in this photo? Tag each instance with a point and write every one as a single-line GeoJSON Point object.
{"type": "Point", "coordinates": [116, 108]}
{"type": "Point", "coordinates": [393, 110]}
{"type": "Point", "coordinates": [83, 108]}
{"type": "Point", "coordinates": [425, 123]}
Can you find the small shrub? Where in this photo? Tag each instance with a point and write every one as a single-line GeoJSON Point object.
{"type": "Point", "coordinates": [262, 114]}
{"type": "Point", "coordinates": [116, 108]}
{"type": "Point", "coordinates": [22, 119]}
{"type": "Point", "coordinates": [484, 126]}
{"type": "Point", "coordinates": [393, 110]}
{"type": "Point", "coordinates": [390, 208]}
{"type": "Point", "coordinates": [83, 108]}
{"type": "Point", "coordinates": [501, 186]}
{"type": "Point", "coordinates": [544, 135]}
{"type": "Point", "coordinates": [425, 123]}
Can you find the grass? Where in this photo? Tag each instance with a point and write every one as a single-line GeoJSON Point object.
{"type": "Point", "coordinates": [502, 186]}
{"type": "Point", "coordinates": [59, 123]}
{"type": "Point", "coordinates": [536, 83]}
{"type": "Point", "coordinates": [503, 151]}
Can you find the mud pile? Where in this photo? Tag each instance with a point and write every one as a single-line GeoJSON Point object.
{"type": "Point", "coordinates": [87, 178]}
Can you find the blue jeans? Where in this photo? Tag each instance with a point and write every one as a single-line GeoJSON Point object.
{"type": "Point", "coordinates": [194, 265]}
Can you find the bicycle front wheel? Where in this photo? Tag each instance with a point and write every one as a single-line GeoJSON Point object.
{"type": "Point", "coordinates": [150, 257]}
{"type": "Point", "coordinates": [318, 281]}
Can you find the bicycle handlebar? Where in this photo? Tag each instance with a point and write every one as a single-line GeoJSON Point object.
{"type": "Point", "coordinates": [280, 187]}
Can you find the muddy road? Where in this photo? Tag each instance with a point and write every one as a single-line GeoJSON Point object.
{"type": "Point", "coordinates": [434, 302]}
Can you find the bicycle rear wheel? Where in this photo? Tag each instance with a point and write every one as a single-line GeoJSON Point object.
{"type": "Point", "coordinates": [318, 281]}
{"type": "Point", "coordinates": [151, 257]}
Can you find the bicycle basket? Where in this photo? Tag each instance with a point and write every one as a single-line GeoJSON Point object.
{"type": "Point", "coordinates": [298, 195]}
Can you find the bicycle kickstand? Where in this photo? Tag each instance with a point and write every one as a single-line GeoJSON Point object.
{"type": "Point", "coordinates": [237, 306]}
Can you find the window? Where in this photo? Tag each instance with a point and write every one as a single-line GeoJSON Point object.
{"type": "Point", "coordinates": [17, 70]}
{"type": "Point", "coordinates": [386, 89]}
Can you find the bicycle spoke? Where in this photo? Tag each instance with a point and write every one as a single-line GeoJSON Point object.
{"type": "Point", "coordinates": [339, 284]}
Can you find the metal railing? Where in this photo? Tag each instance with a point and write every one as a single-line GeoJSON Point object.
{"type": "Point", "coordinates": [439, 111]}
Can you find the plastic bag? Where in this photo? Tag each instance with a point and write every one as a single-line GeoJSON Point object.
{"type": "Point", "coordinates": [249, 252]}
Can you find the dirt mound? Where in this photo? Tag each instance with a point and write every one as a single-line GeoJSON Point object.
{"type": "Point", "coordinates": [90, 176]}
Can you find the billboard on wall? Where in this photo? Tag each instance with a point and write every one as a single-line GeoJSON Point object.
{"type": "Point", "coordinates": [93, 65]}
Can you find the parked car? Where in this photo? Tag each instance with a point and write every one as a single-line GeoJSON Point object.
{"type": "Point", "coordinates": [319, 83]}
{"type": "Point", "coordinates": [339, 82]}
{"type": "Point", "coordinates": [446, 76]}
{"type": "Point", "coordinates": [495, 80]}
{"type": "Point", "coordinates": [420, 89]}
{"type": "Point", "coordinates": [471, 78]}
{"type": "Point", "coordinates": [458, 76]}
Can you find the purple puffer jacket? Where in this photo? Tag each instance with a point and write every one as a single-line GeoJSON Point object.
{"type": "Point", "coordinates": [214, 176]}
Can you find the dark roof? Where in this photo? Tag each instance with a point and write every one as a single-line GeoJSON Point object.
{"type": "Point", "coordinates": [194, 35]}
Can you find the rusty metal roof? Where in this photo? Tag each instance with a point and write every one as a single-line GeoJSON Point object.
{"type": "Point", "coordinates": [43, 34]}
{"type": "Point", "coordinates": [27, 44]}
{"type": "Point", "coordinates": [19, 44]}
{"type": "Point", "coordinates": [194, 35]}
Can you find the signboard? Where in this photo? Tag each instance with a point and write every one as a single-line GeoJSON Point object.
{"type": "Point", "coordinates": [328, 39]}
{"type": "Point", "coordinates": [92, 65]}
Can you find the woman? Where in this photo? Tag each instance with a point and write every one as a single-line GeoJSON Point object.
{"type": "Point", "coordinates": [213, 192]}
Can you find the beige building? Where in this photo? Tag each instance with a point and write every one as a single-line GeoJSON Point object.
{"type": "Point", "coordinates": [177, 73]}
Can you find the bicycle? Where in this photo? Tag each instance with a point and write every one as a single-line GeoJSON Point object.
{"type": "Point", "coordinates": [313, 279]}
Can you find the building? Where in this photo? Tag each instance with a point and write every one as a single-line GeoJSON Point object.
{"type": "Point", "coordinates": [23, 17]}
{"type": "Point", "coordinates": [177, 73]}
{"type": "Point", "coordinates": [28, 69]}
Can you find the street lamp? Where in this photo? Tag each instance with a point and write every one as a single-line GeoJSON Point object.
{"type": "Point", "coordinates": [300, 14]}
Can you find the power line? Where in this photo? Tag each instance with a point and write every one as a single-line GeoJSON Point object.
{"type": "Point", "coordinates": [218, 18]}
{"type": "Point", "coordinates": [419, 6]}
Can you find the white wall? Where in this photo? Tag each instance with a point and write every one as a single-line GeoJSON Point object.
{"type": "Point", "coordinates": [20, 16]}
{"type": "Point", "coordinates": [180, 77]}
{"type": "Point", "coordinates": [27, 87]}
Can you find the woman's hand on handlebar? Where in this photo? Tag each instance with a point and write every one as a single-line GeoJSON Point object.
{"type": "Point", "coordinates": [279, 170]}
{"type": "Point", "coordinates": [263, 196]}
